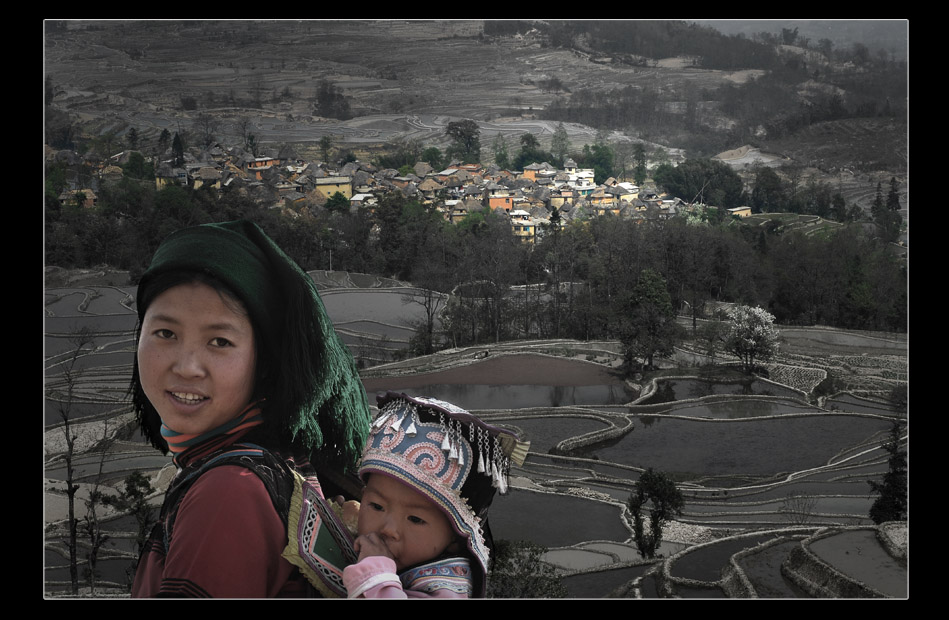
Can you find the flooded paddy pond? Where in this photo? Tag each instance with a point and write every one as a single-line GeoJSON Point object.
{"type": "Point", "coordinates": [679, 388]}
{"type": "Point", "coordinates": [753, 446]}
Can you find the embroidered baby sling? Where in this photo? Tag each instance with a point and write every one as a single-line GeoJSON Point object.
{"type": "Point", "coordinates": [318, 544]}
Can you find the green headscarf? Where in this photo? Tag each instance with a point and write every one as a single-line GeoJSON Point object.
{"type": "Point", "coordinates": [315, 397]}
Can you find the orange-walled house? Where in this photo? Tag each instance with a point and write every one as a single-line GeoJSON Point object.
{"type": "Point", "coordinates": [258, 165]}
{"type": "Point", "coordinates": [505, 203]}
{"type": "Point", "coordinates": [535, 172]}
{"type": "Point", "coordinates": [499, 197]}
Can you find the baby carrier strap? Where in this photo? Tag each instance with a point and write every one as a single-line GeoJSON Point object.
{"type": "Point", "coordinates": [273, 472]}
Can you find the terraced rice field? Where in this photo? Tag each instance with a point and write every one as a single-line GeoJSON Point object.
{"type": "Point", "coordinates": [747, 456]}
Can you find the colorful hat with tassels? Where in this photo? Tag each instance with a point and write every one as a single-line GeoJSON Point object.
{"type": "Point", "coordinates": [447, 454]}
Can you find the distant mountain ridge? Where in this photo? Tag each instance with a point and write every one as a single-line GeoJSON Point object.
{"type": "Point", "coordinates": [890, 35]}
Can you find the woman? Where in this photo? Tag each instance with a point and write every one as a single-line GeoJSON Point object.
{"type": "Point", "coordinates": [240, 375]}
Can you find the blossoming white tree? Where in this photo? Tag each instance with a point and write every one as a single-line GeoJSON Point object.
{"type": "Point", "coordinates": [751, 335]}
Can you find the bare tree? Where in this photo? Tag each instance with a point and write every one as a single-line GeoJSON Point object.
{"type": "Point", "coordinates": [70, 375]}
{"type": "Point", "coordinates": [431, 276]}
{"type": "Point", "coordinates": [423, 343]}
{"type": "Point", "coordinates": [206, 126]}
{"type": "Point", "coordinates": [92, 524]}
{"type": "Point", "coordinates": [244, 128]}
{"type": "Point", "coordinates": [798, 508]}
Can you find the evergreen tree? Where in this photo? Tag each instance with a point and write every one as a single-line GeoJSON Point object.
{"type": "Point", "coordinates": [839, 206]}
{"type": "Point", "coordinates": [530, 153]}
{"type": "Point", "coordinates": [659, 492]}
{"type": "Point", "coordinates": [331, 103]}
{"type": "Point", "coordinates": [893, 197]}
{"type": "Point", "coordinates": [501, 158]}
{"type": "Point", "coordinates": [893, 501]}
{"type": "Point", "coordinates": [132, 138]}
{"type": "Point", "coordinates": [706, 181]}
{"type": "Point", "coordinates": [337, 202]}
{"type": "Point", "coordinates": [433, 157]}
{"type": "Point", "coordinates": [600, 158]}
{"type": "Point", "coordinates": [639, 155]}
{"type": "Point", "coordinates": [325, 143]}
{"type": "Point", "coordinates": [768, 193]}
{"type": "Point", "coordinates": [886, 214]}
{"type": "Point", "coordinates": [466, 141]}
{"type": "Point", "coordinates": [178, 150]}
{"type": "Point", "coordinates": [529, 142]}
{"type": "Point", "coordinates": [648, 322]}
{"type": "Point", "coordinates": [163, 139]}
{"type": "Point", "coordinates": [877, 206]}
{"type": "Point", "coordinates": [560, 144]}
{"type": "Point", "coordinates": [137, 167]}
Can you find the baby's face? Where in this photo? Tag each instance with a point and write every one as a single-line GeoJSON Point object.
{"type": "Point", "coordinates": [413, 528]}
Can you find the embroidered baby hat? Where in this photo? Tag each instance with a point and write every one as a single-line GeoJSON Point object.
{"type": "Point", "coordinates": [449, 455]}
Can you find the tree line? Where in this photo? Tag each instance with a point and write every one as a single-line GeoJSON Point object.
{"type": "Point", "coordinates": [575, 281]}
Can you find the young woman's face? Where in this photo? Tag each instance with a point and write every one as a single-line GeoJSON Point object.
{"type": "Point", "coordinates": [196, 358]}
{"type": "Point", "coordinates": [413, 528]}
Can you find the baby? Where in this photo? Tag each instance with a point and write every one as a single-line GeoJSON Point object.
{"type": "Point", "coordinates": [431, 470]}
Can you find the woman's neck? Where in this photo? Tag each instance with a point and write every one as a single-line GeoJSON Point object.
{"type": "Point", "coordinates": [196, 445]}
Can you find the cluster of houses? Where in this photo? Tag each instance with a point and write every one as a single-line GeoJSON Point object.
{"type": "Point", "coordinates": [528, 198]}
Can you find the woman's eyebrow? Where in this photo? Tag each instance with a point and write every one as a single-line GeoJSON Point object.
{"type": "Point", "coordinates": [222, 326]}
{"type": "Point", "coordinates": [164, 318]}
{"type": "Point", "coordinates": [219, 326]}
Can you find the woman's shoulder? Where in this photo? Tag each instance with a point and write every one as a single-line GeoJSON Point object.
{"type": "Point", "coordinates": [241, 478]}
{"type": "Point", "coordinates": [228, 487]}
{"type": "Point", "coordinates": [243, 465]}
{"type": "Point", "coordinates": [227, 478]}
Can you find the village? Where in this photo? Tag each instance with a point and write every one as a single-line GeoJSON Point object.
{"type": "Point", "coordinates": [530, 199]}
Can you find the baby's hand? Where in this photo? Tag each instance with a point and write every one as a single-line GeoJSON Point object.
{"type": "Point", "coordinates": [351, 514]}
{"type": "Point", "coordinates": [347, 511]}
{"type": "Point", "coordinates": [372, 544]}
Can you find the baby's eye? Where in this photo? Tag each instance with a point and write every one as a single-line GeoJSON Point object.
{"type": "Point", "coordinates": [417, 520]}
{"type": "Point", "coordinates": [375, 506]}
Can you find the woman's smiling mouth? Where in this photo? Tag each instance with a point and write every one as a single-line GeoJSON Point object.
{"type": "Point", "coordinates": [188, 398]}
